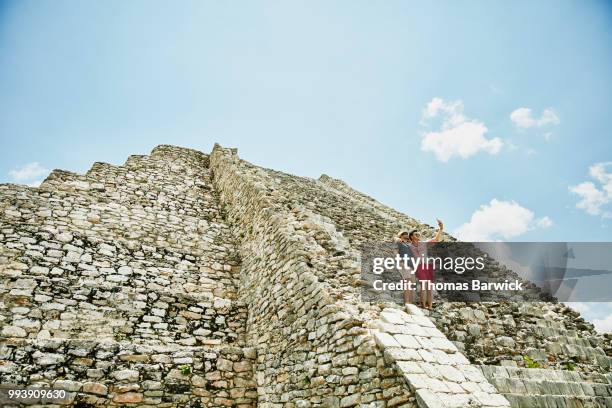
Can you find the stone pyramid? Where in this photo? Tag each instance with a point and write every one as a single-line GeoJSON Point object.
{"type": "Point", "coordinates": [185, 279]}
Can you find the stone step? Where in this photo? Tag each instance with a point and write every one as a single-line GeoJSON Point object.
{"type": "Point", "coordinates": [533, 387]}
{"type": "Point", "coordinates": [491, 371]}
{"type": "Point", "coordinates": [95, 372]}
{"type": "Point", "coordinates": [433, 368]}
{"type": "Point", "coordinates": [543, 330]}
{"type": "Point", "coordinates": [564, 336]}
{"type": "Point", "coordinates": [136, 160]}
{"type": "Point", "coordinates": [153, 222]}
{"type": "Point", "coordinates": [571, 340]}
{"type": "Point", "coordinates": [140, 169]}
{"type": "Point", "coordinates": [586, 353]}
{"type": "Point", "coordinates": [546, 387]}
{"type": "Point", "coordinates": [95, 310]}
{"type": "Point", "coordinates": [558, 325]}
{"type": "Point", "coordinates": [593, 356]}
{"type": "Point", "coordinates": [102, 170]}
{"type": "Point", "coordinates": [59, 177]}
{"type": "Point", "coordinates": [556, 401]}
{"type": "Point", "coordinates": [101, 174]}
{"type": "Point", "coordinates": [83, 285]}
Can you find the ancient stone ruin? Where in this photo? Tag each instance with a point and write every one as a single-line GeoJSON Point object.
{"type": "Point", "coordinates": [185, 279]}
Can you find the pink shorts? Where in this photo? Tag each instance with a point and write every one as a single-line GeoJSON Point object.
{"type": "Point", "coordinates": [425, 273]}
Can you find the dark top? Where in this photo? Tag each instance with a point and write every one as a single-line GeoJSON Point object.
{"type": "Point", "coordinates": [404, 249]}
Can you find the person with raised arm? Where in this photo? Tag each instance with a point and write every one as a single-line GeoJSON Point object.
{"type": "Point", "coordinates": [424, 272]}
{"type": "Point", "coordinates": [403, 249]}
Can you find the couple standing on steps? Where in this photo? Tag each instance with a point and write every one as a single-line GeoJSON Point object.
{"type": "Point", "coordinates": [410, 244]}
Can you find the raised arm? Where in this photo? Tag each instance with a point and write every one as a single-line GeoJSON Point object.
{"type": "Point", "coordinates": [438, 236]}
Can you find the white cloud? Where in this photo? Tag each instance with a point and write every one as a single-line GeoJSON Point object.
{"type": "Point", "coordinates": [458, 134]}
{"type": "Point", "coordinates": [604, 325]}
{"type": "Point", "coordinates": [28, 174]}
{"type": "Point", "coordinates": [592, 198]}
{"type": "Point", "coordinates": [432, 108]}
{"type": "Point", "coordinates": [463, 140]}
{"type": "Point", "coordinates": [599, 173]}
{"type": "Point", "coordinates": [522, 118]}
{"type": "Point", "coordinates": [500, 220]}
{"type": "Point", "coordinates": [35, 183]}
{"type": "Point", "coordinates": [595, 196]}
{"type": "Point", "coordinates": [544, 222]}
{"type": "Point", "coordinates": [598, 313]}
{"type": "Point", "coordinates": [581, 307]}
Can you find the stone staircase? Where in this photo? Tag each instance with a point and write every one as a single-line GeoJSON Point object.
{"type": "Point", "coordinates": [534, 387]}
{"type": "Point", "coordinates": [436, 371]}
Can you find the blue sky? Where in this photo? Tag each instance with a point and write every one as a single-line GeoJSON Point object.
{"type": "Point", "coordinates": [409, 102]}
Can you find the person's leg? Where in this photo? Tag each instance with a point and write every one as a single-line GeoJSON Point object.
{"type": "Point", "coordinates": [408, 293]}
{"type": "Point", "coordinates": [430, 299]}
{"type": "Point", "coordinates": [424, 294]}
{"type": "Point", "coordinates": [407, 296]}
{"type": "Point", "coordinates": [421, 285]}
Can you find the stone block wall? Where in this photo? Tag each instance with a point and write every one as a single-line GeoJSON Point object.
{"type": "Point", "coordinates": [124, 268]}
{"type": "Point", "coordinates": [109, 373]}
{"type": "Point", "coordinates": [313, 343]}
{"type": "Point", "coordinates": [552, 335]}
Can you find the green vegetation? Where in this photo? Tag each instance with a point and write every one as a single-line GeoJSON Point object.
{"type": "Point", "coordinates": [531, 363]}
{"type": "Point", "coordinates": [119, 336]}
{"type": "Point", "coordinates": [568, 365]}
